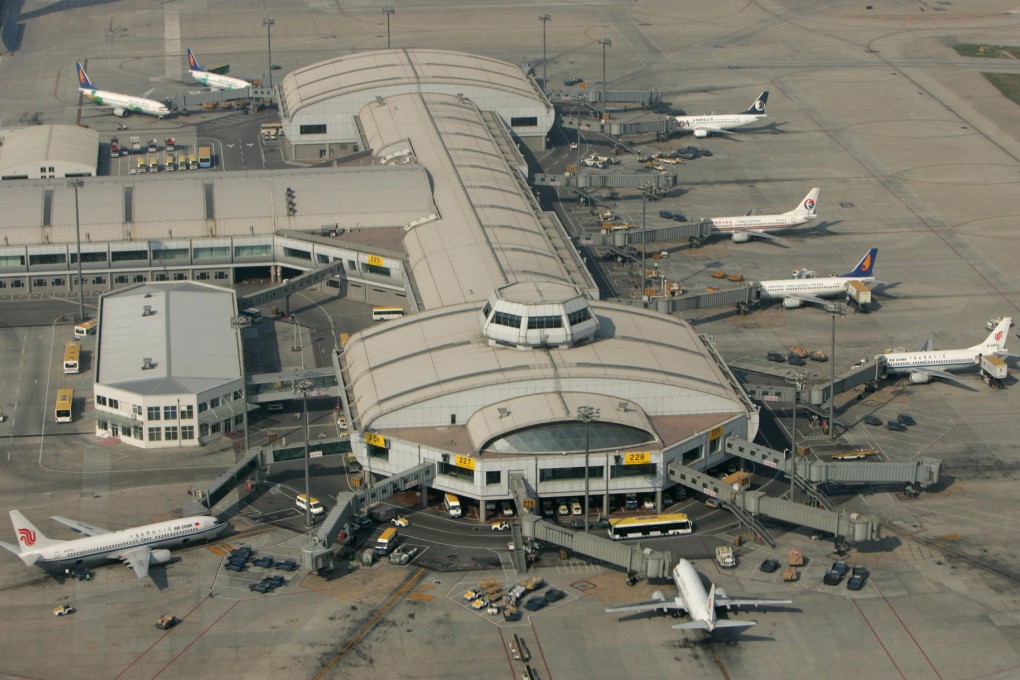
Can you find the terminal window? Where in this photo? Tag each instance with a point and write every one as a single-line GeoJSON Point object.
{"type": "Point", "coordinates": [312, 129]}
{"type": "Point", "coordinates": [187, 432]}
{"type": "Point", "coordinates": [153, 413]}
{"type": "Point", "coordinates": [155, 434]}
{"type": "Point", "coordinates": [187, 412]}
{"type": "Point", "coordinates": [171, 434]}
{"type": "Point", "coordinates": [505, 319]}
{"type": "Point", "coordinates": [524, 121]}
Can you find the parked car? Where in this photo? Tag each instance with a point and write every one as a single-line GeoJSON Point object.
{"type": "Point", "coordinates": [871, 419]}
{"type": "Point", "coordinates": [679, 217]}
{"type": "Point", "coordinates": [563, 509]}
{"type": "Point", "coordinates": [776, 357]}
{"type": "Point", "coordinates": [536, 603]}
{"type": "Point", "coordinates": [508, 508]}
{"type": "Point", "coordinates": [649, 504]}
{"type": "Point", "coordinates": [554, 595]}
{"type": "Point", "coordinates": [604, 522]}
{"type": "Point", "coordinates": [835, 573]}
{"type": "Point", "coordinates": [666, 214]}
{"type": "Point", "coordinates": [577, 524]}
{"type": "Point", "coordinates": [501, 525]}
{"type": "Point", "coordinates": [795, 360]}
{"type": "Point", "coordinates": [906, 419]}
{"type": "Point", "coordinates": [896, 426]}
{"type": "Point", "coordinates": [769, 566]}
{"type": "Point", "coordinates": [575, 507]}
{"type": "Point", "coordinates": [364, 522]}
{"type": "Point", "coordinates": [857, 578]}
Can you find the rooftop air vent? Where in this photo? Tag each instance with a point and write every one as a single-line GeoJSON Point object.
{"type": "Point", "coordinates": [147, 364]}
{"type": "Point", "coordinates": [503, 412]}
{"type": "Point", "coordinates": [147, 310]}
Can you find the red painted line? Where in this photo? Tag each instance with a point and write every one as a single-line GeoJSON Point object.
{"type": "Point", "coordinates": [161, 637]}
{"type": "Point", "coordinates": [916, 643]}
{"type": "Point", "coordinates": [875, 633]}
{"type": "Point", "coordinates": [506, 650]}
{"type": "Point", "coordinates": [199, 637]}
{"type": "Point", "coordinates": [541, 652]}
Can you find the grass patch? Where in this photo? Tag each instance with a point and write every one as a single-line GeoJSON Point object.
{"type": "Point", "coordinates": [987, 51]}
{"type": "Point", "coordinates": [1006, 83]}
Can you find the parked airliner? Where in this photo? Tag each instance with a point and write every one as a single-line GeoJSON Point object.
{"type": "Point", "coordinates": [804, 287]}
{"type": "Point", "coordinates": [927, 364]}
{"type": "Point", "coordinates": [121, 104]}
{"type": "Point", "coordinates": [692, 598]}
{"type": "Point", "coordinates": [137, 547]}
{"type": "Point", "coordinates": [744, 227]}
{"type": "Point", "coordinates": [703, 126]}
{"type": "Point", "coordinates": [213, 81]}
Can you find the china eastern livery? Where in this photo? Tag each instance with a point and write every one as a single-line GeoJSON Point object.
{"type": "Point", "coordinates": [121, 104]}
{"type": "Point", "coordinates": [214, 81]}
{"type": "Point", "coordinates": [703, 126]}
{"type": "Point", "coordinates": [742, 229]}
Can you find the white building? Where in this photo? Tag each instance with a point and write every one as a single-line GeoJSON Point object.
{"type": "Point", "coordinates": [168, 367]}
{"type": "Point", "coordinates": [48, 152]}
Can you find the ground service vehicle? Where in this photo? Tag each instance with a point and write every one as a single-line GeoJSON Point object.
{"type": "Point", "coordinates": [72, 350]}
{"type": "Point", "coordinates": [776, 357]}
{"type": "Point", "coordinates": [648, 526]}
{"type": "Point", "coordinates": [170, 144]}
{"type": "Point", "coordinates": [140, 165]}
{"type": "Point", "coordinates": [167, 621]}
{"type": "Point", "coordinates": [724, 557]}
{"type": "Point", "coordinates": [387, 313]}
{"type": "Point", "coordinates": [192, 162]}
{"type": "Point", "coordinates": [153, 162]}
{"type": "Point", "coordinates": [252, 313]}
{"type": "Point", "coordinates": [741, 478]}
{"type": "Point", "coordinates": [114, 148]}
{"type": "Point", "coordinates": [501, 525]}
{"type": "Point", "coordinates": [86, 328]}
{"type": "Point", "coordinates": [136, 145]}
{"type": "Point", "coordinates": [858, 294]}
{"type": "Point", "coordinates": [386, 542]}
{"type": "Point", "coordinates": [769, 566]}
{"type": "Point", "coordinates": [63, 610]}
{"type": "Point", "coordinates": [855, 455]}
{"type": "Point", "coordinates": [205, 156]}
{"type": "Point", "coordinates": [993, 370]}
{"type": "Point", "coordinates": [153, 146]}
{"type": "Point", "coordinates": [858, 576]}
{"type": "Point", "coordinates": [63, 411]}
{"type": "Point", "coordinates": [835, 574]}
{"type": "Point", "coordinates": [871, 419]}
{"type": "Point", "coordinates": [304, 503]}
{"type": "Point", "coordinates": [452, 505]}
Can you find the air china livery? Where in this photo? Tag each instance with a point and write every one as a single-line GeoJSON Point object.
{"type": "Point", "coordinates": [743, 228]}
{"type": "Point", "coordinates": [137, 547]}
{"type": "Point", "coordinates": [121, 104]}
{"type": "Point", "coordinates": [213, 81]}
{"type": "Point", "coordinates": [804, 288]}
{"type": "Point", "coordinates": [928, 364]}
{"type": "Point", "coordinates": [703, 126]}
{"type": "Point", "coordinates": [692, 598]}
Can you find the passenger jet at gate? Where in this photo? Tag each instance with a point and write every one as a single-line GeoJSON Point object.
{"type": "Point", "coordinates": [804, 287]}
{"type": "Point", "coordinates": [213, 80]}
{"type": "Point", "coordinates": [692, 598]}
{"type": "Point", "coordinates": [121, 104]}
{"type": "Point", "coordinates": [137, 547]}
{"type": "Point", "coordinates": [741, 229]}
{"type": "Point", "coordinates": [703, 126]}
{"type": "Point", "coordinates": [929, 364]}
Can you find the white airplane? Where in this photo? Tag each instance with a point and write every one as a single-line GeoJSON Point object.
{"type": "Point", "coordinates": [692, 598]}
{"type": "Point", "coordinates": [744, 227]}
{"type": "Point", "coordinates": [213, 81]}
{"type": "Point", "coordinates": [703, 126]}
{"type": "Point", "coordinates": [804, 287]}
{"type": "Point", "coordinates": [137, 547]}
{"type": "Point", "coordinates": [121, 104]}
{"type": "Point", "coordinates": [928, 364]}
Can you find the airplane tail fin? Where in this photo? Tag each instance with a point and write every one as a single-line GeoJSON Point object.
{"type": "Point", "coordinates": [996, 340]}
{"type": "Point", "coordinates": [807, 206]}
{"type": "Point", "coordinates": [866, 267]}
{"type": "Point", "coordinates": [758, 107]}
{"type": "Point", "coordinates": [28, 535]}
{"type": "Point", "coordinates": [83, 79]}
{"type": "Point", "coordinates": [192, 62]}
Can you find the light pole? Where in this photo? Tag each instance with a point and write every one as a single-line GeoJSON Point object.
{"type": "Point", "coordinates": [388, 11]}
{"type": "Point", "coordinates": [797, 379]}
{"type": "Point", "coordinates": [237, 323]}
{"type": "Point", "coordinates": [605, 42]}
{"type": "Point", "coordinates": [545, 19]}
{"type": "Point", "coordinates": [587, 415]}
{"type": "Point", "coordinates": [269, 23]}
{"type": "Point", "coordinates": [78, 184]}
{"type": "Point", "coordinates": [835, 309]}
{"type": "Point", "coordinates": [303, 386]}
{"type": "Point", "coordinates": [644, 227]}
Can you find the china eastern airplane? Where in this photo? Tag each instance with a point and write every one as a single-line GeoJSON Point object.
{"type": "Point", "coordinates": [121, 104]}
{"type": "Point", "coordinates": [692, 598]}
{"type": "Point", "coordinates": [213, 80]}
{"type": "Point", "coordinates": [703, 126]}
{"type": "Point", "coordinates": [137, 547]}
{"type": "Point", "coordinates": [929, 364]}
{"type": "Point", "coordinates": [741, 229]}
{"type": "Point", "coordinates": [804, 287]}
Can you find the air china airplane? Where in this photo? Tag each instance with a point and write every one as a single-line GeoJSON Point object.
{"type": "Point", "coordinates": [692, 598]}
{"type": "Point", "coordinates": [703, 126]}
{"type": "Point", "coordinates": [137, 547]}
{"type": "Point", "coordinates": [927, 364]}
{"type": "Point", "coordinates": [743, 228]}
{"type": "Point", "coordinates": [213, 81]}
{"type": "Point", "coordinates": [805, 288]}
{"type": "Point", "coordinates": [121, 104]}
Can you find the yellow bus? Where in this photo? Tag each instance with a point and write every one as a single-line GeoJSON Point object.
{"type": "Point", "coordinates": [64, 409]}
{"type": "Point", "coordinates": [86, 328]}
{"type": "Point", "coordinates": [71, 357]}
{"type": "Point", "coordinates": [387, 313]}
{"type": "Point", "coordinates": [272, 130]}
{"type": "Point", "coordinates": [650, 526]}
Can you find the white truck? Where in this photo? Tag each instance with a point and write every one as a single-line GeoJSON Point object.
{"type": "Point", "coordinates": [725, 557]}
{"type": "Point", "coordinates": [858, 294]}
{"type": "Point", "coordinates": [993, 370]}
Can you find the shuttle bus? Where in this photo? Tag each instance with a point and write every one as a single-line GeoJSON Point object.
{"type": "Point", "coordinates": [71, 357]}
{"type": "Point", "coordinates": [63, 412]}
{"type": "Point", "coordinates": [452, 505]}
{"type": "Point", "coordinates": [85, 328]}
{"type": "Point", "coordinates": [205, 156]}
{"type": "Point", "coordinates": [387, 313]}
{"type": "Point", "coordinates": [649, 526]}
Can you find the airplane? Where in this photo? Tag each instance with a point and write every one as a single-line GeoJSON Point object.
{"type": "Point", "coordinates": [213, 81]}
{"type": "Point", "coordinates": [692, 598]}
{"type": "Point", "coordinates": [805, 288]}
{"type": "Point", "coordinates": [744, 227]}
{"type": "Point", "coordinates": [928, 364]}
{"type": "Point", "coordinates": [703, 126]}
{"type": "Point", "coordinates": [122, 104]}
{"type": "Point", "coordinates": [137, 547]}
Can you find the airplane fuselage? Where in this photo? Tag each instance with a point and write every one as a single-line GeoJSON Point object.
{"type": "Point", "coordinates": [124, 102]}
{"type": "Point", "coordinates": [761, 222]}
{"type": "Point", "coordinates": [692, 593]}
{"type": "Point", "coordinates": [947, 360]}
{"type": "Point", "coordinates": [717, 122]}
{"type": "Point", "coordinates": [821, 287]}
{"type": "Point", "coordinates": [219, 82]}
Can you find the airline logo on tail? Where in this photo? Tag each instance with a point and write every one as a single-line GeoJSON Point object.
{"type": "Point", "coordinates": [865, 265]}
{"type": "Point", "coordinates": [192, 62]}
{"type": "Point", "coordinates": [83, 80]}
{"type": "Point", "coordinates": [26, 536]}
{"type": "Point", "coordinates": [809, 204]}
{"type": "Point", "coordinates": [759, 104]}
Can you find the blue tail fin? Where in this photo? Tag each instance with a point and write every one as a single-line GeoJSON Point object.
{"type": "Point", "coordinates": [192, 62]}
{"type": "Point", "coordinates": [758, 107]}
{"type": "Point", "coordinates": [83, 80]}
{"type": "Point", "coordinates": [866, 267]}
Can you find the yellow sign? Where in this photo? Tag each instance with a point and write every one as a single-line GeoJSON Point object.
{"type": "Point", "coordinates": [464, 462]}
{"type": "Point", "coordinates": [375, 260]}
{"type": "Point", "coordinates": [374, 439]}
{"type": "Point", "coordinates": [715, 433]}
{"type": "Point", "coordinates": [529, 504]}
{"type": "Point", "coordinates": [641, 458]}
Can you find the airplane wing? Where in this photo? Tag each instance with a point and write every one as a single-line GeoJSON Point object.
{"type": "Point", "coordinates": [810, 299]}
{"type": "Point", "coordinates": [765, 235]}
{"type": "Point", "coordinates": [749, 212]}
{"type": "Point", "coordinates": [137, 559]}
{"type": "Point", "coordinates": [658, 604]}
{"type": "Point", "coordinates": [730, 602]}
{"type": "Point", "coordinates": [81, 527]}
{"type": "Point", "coordinates": [942, 375]}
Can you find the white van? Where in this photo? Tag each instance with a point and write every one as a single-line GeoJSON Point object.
{"type": "Point", "coordinates": [452, 505]}
{"type": "Point", "coordinates": [303, 505]}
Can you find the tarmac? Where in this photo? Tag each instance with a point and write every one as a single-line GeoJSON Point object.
{"type": "Point", "coordinates": [916, 154]}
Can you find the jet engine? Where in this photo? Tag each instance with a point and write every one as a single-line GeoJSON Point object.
{"type": "Point", "coordinates": [920, 378]}
{"type": "Point", "coordinates": [740, 237]}
{"type": "Point", "coordinates": [159, 557]}
{"type": "Point", "coordinates": [122, 113]}
{"type": "Point", "coordinates": [701, 134]}
{"type": "Point", "coordinates": [792, 303]}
